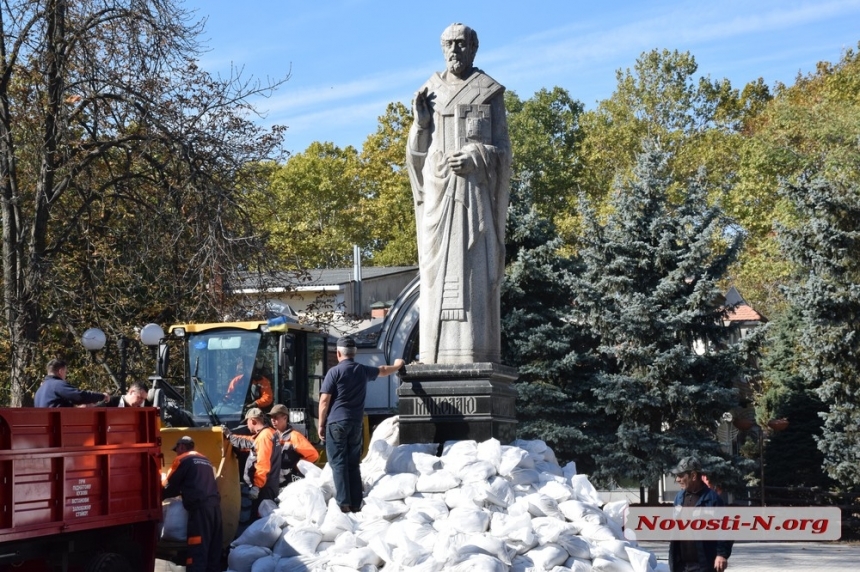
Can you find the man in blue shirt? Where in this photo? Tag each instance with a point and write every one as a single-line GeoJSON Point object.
{"type": "Point", "coordinates": [55, 391]}
{"type": "Point", "coordinates": [341, 415]}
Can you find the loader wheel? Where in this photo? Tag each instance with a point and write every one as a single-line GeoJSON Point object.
{"type": "Point", "coordinates": [108, 562]}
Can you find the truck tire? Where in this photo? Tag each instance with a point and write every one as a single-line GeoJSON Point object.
{"type": "Point", "coordinates": [108, 562]}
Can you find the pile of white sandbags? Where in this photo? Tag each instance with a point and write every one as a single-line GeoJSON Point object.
{"type": "Point", "coordinates": [478, 507]}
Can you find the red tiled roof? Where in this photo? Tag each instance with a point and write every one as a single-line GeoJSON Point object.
{"type": "Point", "coordinates": [744, 313]}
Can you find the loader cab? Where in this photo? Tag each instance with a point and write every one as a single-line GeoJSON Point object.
{"type": "Point", "coordinates": [229, 367]}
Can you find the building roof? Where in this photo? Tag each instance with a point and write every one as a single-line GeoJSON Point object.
{"type": "Point", "coordinates": [312, 279]}
{"type": "Point", "coordinates": [744, 313]}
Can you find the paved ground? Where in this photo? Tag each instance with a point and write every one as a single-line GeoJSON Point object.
{"type": "Point", "coordinates": [750, 557]}
{"type": "Point", "coordinates": [784, 556]}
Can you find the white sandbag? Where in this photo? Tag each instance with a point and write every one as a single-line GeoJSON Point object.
{"type": "Point", "coordinates": [435, 509]}
{"type": "Point", "coordinates": [356, 558]}
{"type": "Point", "coordinates": [378, 508]}
{"type": "Point", "coordinates": [387, 431]}
{"type": "Point", "coordinates": [578, 564]}
{"type": "Point", "coordinates": [498, 491]}
{"type": "Point", "coordinates": [437, 482]}
{"type": "Point", "coordinates": [616, 511]}
{"type": "Point", "coordinates": [598, 532]}
{"type": "Point", "coordinates": [375, 460]}
{"type": "Point", "coordinates": [556, 490]}
{"type": "Point", "coordinates": [426, 464]}
{"type": "Point", "coordinates": [465, 448]}
{"type": "Point", "coordinates": [569, 470]}
{"type": "Point", "coordinates": [369, 529]}
{"type": "Point", "coordinates": [640, 560]}
{"type": "Point", "coordinates": [261, 532]}
{"type": "Point", "coordinates": [486, 544]}
{"type": "Point", "coordinates": [394, 487]}
{"type": "Point", "coordinates": [301, 563]}
{"type": "Point", "coordinates": [617, 548]}
{"type": "Point", "coordinates": [336, 522]}
{"type": "Point", "coordinates": [522, 563]}
{"type": "Point", "coordinates": [582, 513]}
{"type": "Point", "coordinates": [467, 496]}
{"type": "Point", "coordinates": [419, 532]}
{"type": "Point", "coordinates": [549, 529]}
{"type": "Point", "coordinates": [479, 563]}
{"type": "Point", "coordinates": [476, 472]}
{"type": "Point", "coordinates": [302, 501]}
{"type": "Point", "coordinates": [298, 541]}
{"type": "Point", "coordinates": [517, 531]}
{"type": "Point", "coordinates": [542, 505]}
{"type": "Point", "coordinates": [174, 525]}
{"type": "Point", "coordinates": [490, 451]}
{"type": "Point", "coordinates": [309, 470]}
{"type": "Point", "coordinates": [547, 556]}
{"type": "Point", "coordinates": [523, 476]}
{"type": "Point", "coordinates": [266, 564]}
{"type": "Point", "coordinates": [575, 545]}
{"type": "Point", "coordinates": [468, 520]}
{"type": "Point", "coordinates": [344, 543]}
{"type": "Point", "coordinates": [550, 467]}
{"type": "Point", "coordinates": [267, 507]}
{"type": "Point", "coordinates": [584, 490]}
{"type": "Point", "coordinates": [610, 564]}
{"type": "Point", "coordinates": [400, 459]}
{"type": "Point", "coordinates": [324, 547]}
{"type": "Point", "coordinates": [535, 448]}
{"type": "Point", "coordinates": [513, 457]}
{"type": "Point", "coordinates": [242, 557]}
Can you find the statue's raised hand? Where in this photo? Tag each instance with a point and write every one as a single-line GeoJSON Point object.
{"type": "Point", "coordinates": [422, 108]}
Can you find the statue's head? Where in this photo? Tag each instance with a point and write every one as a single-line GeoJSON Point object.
{"type": "Point", "coordinates": [459, 44]}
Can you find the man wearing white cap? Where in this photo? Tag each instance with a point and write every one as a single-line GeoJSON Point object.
{"type": "Point", "coordinates": [263, 467]}
{"type": "Point", "coordinates": [341, 416]}
{"type": "Point", "coordinates": [192, 476]}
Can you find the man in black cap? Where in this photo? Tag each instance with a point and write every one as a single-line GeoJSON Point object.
{"type": "Point", "coordinates": [698, 555]}
{"type": "Point", "coordinates": [192, 476]}
{"type": "Point", "coordinates": [341, 416]}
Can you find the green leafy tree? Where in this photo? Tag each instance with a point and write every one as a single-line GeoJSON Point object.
{"type": "Point", "coordinates": [386, 203]}
{"type": "Point", "coordinates": [810, 125]}
{"type": "Point", "coordinates": [545, 139]}
{"type": "Point", "coordinates": [314, 216]}
{"type": "Point", "coordinates": [649, 292]}
{"type": "Point", "coordinates": [550, 351]}
{"type": "Point", "coordinates": [825, 249]}
{"type": "Point", "coordinates": [119, 162]}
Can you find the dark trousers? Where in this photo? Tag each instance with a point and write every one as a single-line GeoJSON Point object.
{"type": "Point", "coordinates": [343, 441]}
{"type": "Point", "coordinates": [205, 537]}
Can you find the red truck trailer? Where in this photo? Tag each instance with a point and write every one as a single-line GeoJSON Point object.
{"type": "Point", "coordinates": [80, 489]}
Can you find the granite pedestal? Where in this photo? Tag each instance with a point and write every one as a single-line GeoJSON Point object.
{"type": "Point", "coordinates": [441, 402]}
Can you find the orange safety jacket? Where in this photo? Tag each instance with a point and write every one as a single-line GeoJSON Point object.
{"type": "Point", "coordinates": [267, 396]}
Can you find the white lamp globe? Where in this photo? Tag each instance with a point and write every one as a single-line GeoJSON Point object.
{"type": "Point", "coordinates": [93, 339]}
{"type": "Point", "coordinates": [151, 334]}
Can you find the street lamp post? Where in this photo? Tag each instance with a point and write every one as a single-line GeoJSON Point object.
{"type": "Point", "coordinates": [94, 340]}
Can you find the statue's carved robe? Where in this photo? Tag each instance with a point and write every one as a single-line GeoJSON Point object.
{"type": "Point", "coordinates": [461, 219]}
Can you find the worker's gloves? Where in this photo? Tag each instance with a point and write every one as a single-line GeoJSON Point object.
{"type": "Point", "coordinates": [226, 431]}
{"type": "Point", "coordinates": [253, 493]}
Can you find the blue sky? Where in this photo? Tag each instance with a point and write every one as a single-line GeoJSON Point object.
{"type": "Point", "coordinates": [347, 59]}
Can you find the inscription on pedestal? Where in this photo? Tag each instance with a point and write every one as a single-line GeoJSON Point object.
{"type": "Point", "coordinates": [424, 406]}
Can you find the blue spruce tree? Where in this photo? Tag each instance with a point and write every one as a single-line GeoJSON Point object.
{"type": "Point", "coordinates": [648, 290]}
{"type": "Point", "coordinates": [826, 247]}
{"type": "Point", "coordinates": [554, 355]}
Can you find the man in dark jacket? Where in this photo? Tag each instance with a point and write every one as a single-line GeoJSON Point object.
{"type": "Point", "coordinates": [698, 555]}
{"type": "Point", "coordinates": [134, 397]}
{"type": "Point", "coordinates": [55, 391]}
{"type": "Point", "coordinates": [193, 477]}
